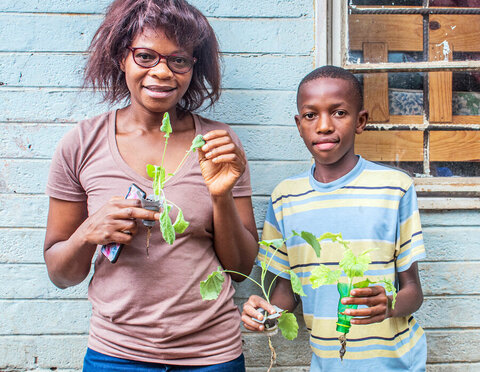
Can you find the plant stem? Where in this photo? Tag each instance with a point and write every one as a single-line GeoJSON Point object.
{"type": "Point", "coordinates": [273, 280]}
{"type": "Point", "coordinates": [179, 166]}
{"type": "Point", "coordinates": [253, 280]}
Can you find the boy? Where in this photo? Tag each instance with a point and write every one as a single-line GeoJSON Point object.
{"type": "Point", "coordinates": [373, 206]}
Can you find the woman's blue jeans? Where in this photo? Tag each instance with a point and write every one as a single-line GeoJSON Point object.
{"type": "Point", "coordinates": [97, 362]}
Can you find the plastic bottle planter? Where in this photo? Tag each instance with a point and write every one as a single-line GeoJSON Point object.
{"type": "Point", "coordinates": [343, 321]}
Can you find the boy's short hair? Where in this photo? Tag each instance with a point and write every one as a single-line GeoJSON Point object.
{"type": "Point", "coordinates": [335, 72]}
{"type": "Point", "coordinates": [181, 22]}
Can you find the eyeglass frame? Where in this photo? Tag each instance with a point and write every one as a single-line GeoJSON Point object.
{"type": "Point", "coordinates": [162, 56]}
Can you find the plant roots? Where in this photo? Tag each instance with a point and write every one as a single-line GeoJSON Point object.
{"type": "Point", "coordinates": [343, 342]}
{"type": "Point", "coordinates": [273, 356]}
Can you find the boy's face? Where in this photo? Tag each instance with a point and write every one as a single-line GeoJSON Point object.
{"type": "Point", "coordinates": [329, 117]}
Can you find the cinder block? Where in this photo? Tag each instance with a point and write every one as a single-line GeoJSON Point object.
{"type": "Point", "coordinates": [454, 346]}
{"type": "Point", "coordinates": [449, 312]}
{"type": "Point", "coordinates": [21, 245]}
{"type": "Point", "coordinates": [31, 281]}
{"type": "Point", "coordinates": [266, 175]}
{"type": "Point", "coordinates": [54, 6]}
{"type": "Point", "coordinates": [50, 352]}
{"type": "Point", "coordinates": [264, 8]}
{"type": "Point", "coordinates": [40, 317]}
{"type": "Point", "coordinates": [453, 243]}
{"type": "Point", "coordinates": [31, 141]}
{"type": "Point", "coordinates": [23, 176]}
{"type": "Point", "coordinates": [450, 278]}
{"type": "Point", "coordinates": [23, 210]}
{"type": "Point", "coordinates": [272, 143]}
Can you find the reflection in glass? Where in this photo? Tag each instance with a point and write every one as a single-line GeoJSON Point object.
{"type": "Point", "coordinates": [413, 168]}
{"type": "Point", "coordinates": [387, 2]}
{"type": "Point", "coordinates": [455, 3]}
{"type": "Point", "coordinates": [455, 169]}
{"type": "Point", "coordinates": [466, 93]}
{"type": "Point", "coordinates": [393, 57]}
{"type": "Point", "coordinates": [404, 91]}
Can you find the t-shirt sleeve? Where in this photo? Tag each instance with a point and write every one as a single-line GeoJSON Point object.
{"type": "Point", "coordinates": [63, 178]}
{"type": "Point", "coordinates": [409, 247]}
{"type": "Point", "coordinates": [243, 186]}
{"type": "Point", "coordinates": [272, 231]}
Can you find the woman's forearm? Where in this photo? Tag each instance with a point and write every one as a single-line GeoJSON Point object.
{"type": "Point", "coordinates": [68, 262]}
{"type": "Point", "coordinates": [236, 245]}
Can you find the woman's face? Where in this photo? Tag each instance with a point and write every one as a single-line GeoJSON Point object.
{"type": "Point", "coordinates": [157, 89]}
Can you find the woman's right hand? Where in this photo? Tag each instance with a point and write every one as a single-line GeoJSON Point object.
{"type": "Point", "coordinates": [250, 311]}
{"type": "Point", "coordinates": [115, 222]}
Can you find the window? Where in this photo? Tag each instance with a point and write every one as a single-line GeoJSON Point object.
{"type": "Point", "coordinates": [419, 63]}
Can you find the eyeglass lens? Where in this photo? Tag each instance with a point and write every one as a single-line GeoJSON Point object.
{"type": "Point", "coordinates": [149, 58]}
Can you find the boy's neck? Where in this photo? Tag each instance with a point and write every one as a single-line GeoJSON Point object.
{"type": "Point", "coordinates": [326, 173]}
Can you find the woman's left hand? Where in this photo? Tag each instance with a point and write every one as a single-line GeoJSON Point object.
{"type": "Point", "coordinates": [222, 162]}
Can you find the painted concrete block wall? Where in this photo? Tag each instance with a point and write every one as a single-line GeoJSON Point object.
{"type": "Point", "coordinates": [266, 49]}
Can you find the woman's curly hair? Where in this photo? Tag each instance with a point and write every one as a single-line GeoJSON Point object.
{"type": "Point", "coordinates": [181, 22]}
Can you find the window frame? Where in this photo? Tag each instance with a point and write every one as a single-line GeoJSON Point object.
{"type": "Point", "coordinates": [331, 48]}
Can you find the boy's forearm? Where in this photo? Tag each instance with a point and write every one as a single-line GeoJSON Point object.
{"type": "Point", "coordinates": [283, 295]}
{"type": "Point", "coordinates": [410, 295]}
{"type": "Point", "coordinates": [409, 299]}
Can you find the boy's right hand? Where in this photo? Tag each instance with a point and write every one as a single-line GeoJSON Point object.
{"type": "Point", "coordinates": [250, 311]}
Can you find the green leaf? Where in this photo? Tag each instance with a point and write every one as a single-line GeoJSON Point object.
{"type": "Point", "coordinates": [180, 224]}
{"type": "Point", "coordinates": [322, 275]}
{"type": "Point", "coordinates": [277, 243]}
{"type": "Point", "coordinates": [151, 170]}
{"type": "Point", "coordinates": [166, 227]}
{"type": "Point", "coordinates": [389, 287]}
{"type": "Point", "coordinates": [288, 325]}
{"type": "Point", "coordinates": [363, 284]}
{"type": "Point", "coordinates": [212, 286]}
{"type": "Point", "coordinates": [355, 266]}
{"type": "Point", "coordinates": [310, 239]}
{"type": "Point", "coordinates": [296, 283]}
{"type": "Point", "coordinates": [166, 126]}
{"type": "Point", "coordinates": [197, 142]}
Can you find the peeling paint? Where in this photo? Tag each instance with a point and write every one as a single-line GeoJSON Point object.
{"type": "Point", "coordinates": [446, 50]}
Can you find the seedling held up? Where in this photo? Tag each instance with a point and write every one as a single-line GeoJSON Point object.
{"type": "Point", "coordinates": [158, 173]}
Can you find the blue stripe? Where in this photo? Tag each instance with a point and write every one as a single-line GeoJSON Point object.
{"type": "Point", "coordinates": [318, 221]}
{"type": "Point", "coordinates": [408, 241]}
{"type": "Point", "coordinates": [269, 254]}
{"type": "Point", "coordinates": [337, 263]}
{"type": "Point", "coordinates": [409, 250]}
{"type": "Point", "coordinates": [292, 195]}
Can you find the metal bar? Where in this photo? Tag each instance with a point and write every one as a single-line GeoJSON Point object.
{"type": "Point", "coordinates": [413, 66]}
{"type": "Point", "coordinates": [423, 127]}
{"type": "Point", "coordinates": [411, 10]}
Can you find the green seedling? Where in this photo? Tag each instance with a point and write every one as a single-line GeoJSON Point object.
{"type": "Point", "coordinates": [353, 267]}
{"type": "Point", "coordinates": [211, 287]}
{"type": "Point", "coordinates": [168, 228]}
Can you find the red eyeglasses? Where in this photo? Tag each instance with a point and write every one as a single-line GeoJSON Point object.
{"type": "Point", "coordinates": [148, 58]}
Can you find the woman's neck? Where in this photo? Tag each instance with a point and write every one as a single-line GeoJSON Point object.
{"type": "Point", "coordinates": [133, 119]}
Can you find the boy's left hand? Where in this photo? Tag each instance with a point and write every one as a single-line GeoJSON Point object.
{"type": "Point", "coordinates": [222, 162]}
{"type": "Point", "coordinates": [375, 297]}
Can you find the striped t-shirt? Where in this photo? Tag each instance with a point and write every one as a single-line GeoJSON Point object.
{"type": "Point", "coordinates": [373, 206]}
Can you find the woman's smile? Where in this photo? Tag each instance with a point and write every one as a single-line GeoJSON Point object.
{"type": "Point", "coordinates": [159, 91]}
